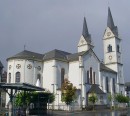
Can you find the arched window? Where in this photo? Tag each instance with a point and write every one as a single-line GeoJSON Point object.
{"type": "Point", "coordinates": [109, 48]}
{"type": "Point", "coordinates": [39, 77]}
{"type": "Point", "coordinates": [17, 77]}
{"type": "Point", "coordinates": [107, 85]}
{"type": "Point", "coordinates": [93, 77]}
{"type": "Point", "coordinates": [118, 48]}
{"type": "Point", "coordinates": [9, 78]}
{"type": "Point", "coordinates": [62, 75]}
{"type": "Point", "coordinates": [38, 81]}
{"type": "Point", "coordinates": [90, 75]}
{"type": "Point", "coordinates": [114, 85]}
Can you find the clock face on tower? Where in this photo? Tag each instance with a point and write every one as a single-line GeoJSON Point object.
{"type": "Point", "coordinates": [110, 57]}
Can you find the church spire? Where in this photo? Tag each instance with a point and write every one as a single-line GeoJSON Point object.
{"type": "Point", "coordinates": [85, 42]}
{"type": "Point", "coordinates": [110, 22]}
{"type": "Point", "coordinates": [85, 32]}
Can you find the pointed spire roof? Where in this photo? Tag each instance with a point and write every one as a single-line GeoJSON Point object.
{"type": "Point", "coordinates": [1, 65]}
{"type": "Point", "coordinates": [110, 22]}
{"type": "Point", "coordinates": [85, 32]}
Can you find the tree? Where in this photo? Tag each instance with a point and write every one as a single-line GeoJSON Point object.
{"type": "Point", "coordinates": [121, 98]}
{"type": "Point", "coordinates": [22, 98]}
{"type": "Point", "coordinates": [111, 98]}
{"type": "Point", "coordinates": [93, 98]}
{"type": "Point", "coordinates": [25, 98]}
{"type": "Point", "coordinates": [68, 92]}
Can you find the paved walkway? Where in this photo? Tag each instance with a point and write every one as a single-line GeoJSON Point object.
{"type": "Point", "coordinates": [92, 113]}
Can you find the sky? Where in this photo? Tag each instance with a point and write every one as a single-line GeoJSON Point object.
{"type": "Point", "coordinates": [44, 25]}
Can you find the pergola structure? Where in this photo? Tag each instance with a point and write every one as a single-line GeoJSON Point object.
{"type": "Point", "coordinates": [12, 88]}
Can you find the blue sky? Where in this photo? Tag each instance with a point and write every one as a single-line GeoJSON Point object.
{"type": "Point", "coordinates": [44, 25]}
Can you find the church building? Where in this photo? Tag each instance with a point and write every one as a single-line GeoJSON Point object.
{"type": "Point", "coordinates": [83, 69]}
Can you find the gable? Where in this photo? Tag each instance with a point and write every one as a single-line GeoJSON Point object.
{"type": "Point", "coordinates": [91, 53]}
{"type": "Point", "coordinates": [82, 41]}
{"type": "Point", "coordinates": [108, 33]}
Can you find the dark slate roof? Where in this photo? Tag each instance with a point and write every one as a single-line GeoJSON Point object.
{"type": "Point", "coordinates": [21, 86]}
{"type": "Point", "coordinates": [104, 68]}
{"type": "Point", "coordinates": [110, 22]}
{"type": "Point", "coordinates": [27, 55]}
{"type": "Point", "coordinates": [95, 88]}
{"type": "Point", "coordinates": [75, 56]}
{"type": "Point", "coordinates": [1, 65]}
{"type": "Point", "coordinates": [127, 84]}
{"type": "Point", "coordinates": [56, 54]}
{"type": "Point", "coordinates": [85, 32]}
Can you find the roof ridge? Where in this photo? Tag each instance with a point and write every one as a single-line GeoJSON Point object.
{"type": "Point", "coordinates": [31, 52]}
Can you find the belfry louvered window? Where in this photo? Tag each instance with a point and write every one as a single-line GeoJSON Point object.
{"type": "Point", "coordinates": [109, 48]}
{"type": "Point", "coordinates": [118, 48]}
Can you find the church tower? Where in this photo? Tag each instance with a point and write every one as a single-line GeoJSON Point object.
{"type": "Point", "coordinates": [113, 51]}
{"type": "Point", "coordinates": [85, 42]}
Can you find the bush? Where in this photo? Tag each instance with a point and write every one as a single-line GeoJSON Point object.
{"type": "Point", "coordinates": [121, 98]}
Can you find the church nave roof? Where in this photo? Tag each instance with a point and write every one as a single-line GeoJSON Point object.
{"type": "Point", "coordinates": [27, 55]}
{"type": "Point", "coordinates": [56, 54]}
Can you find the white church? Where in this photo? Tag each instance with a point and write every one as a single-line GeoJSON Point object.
{"type": "Point", "coordinates": [83, 69]}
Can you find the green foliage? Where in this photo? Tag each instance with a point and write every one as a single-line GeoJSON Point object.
{"type": "Point", "coordinates": [93, 98]}
{"type": "Point", "coordinates": [32, 97]}
{"type": "Point", "coordinates": [121, 98]}
{"type": "Point", "coordinates": [110, 97]}
{"type": "Point", "coordinates": [68, 92]}
{"type": "Point", "coordinates": [22, 99]}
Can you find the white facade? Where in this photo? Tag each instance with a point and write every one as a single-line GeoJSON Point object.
{"type": "Point", "coordinates": [83, 69]}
